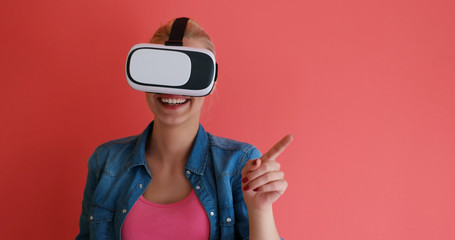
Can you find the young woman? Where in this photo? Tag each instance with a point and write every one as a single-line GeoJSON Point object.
{"type": "Point", "coordinates": [176, 181]}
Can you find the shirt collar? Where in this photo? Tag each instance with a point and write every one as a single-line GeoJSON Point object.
{"type": "Point", "coordinates": [138, 153]}
{"type": "Point", "coordinates": [197, 160]}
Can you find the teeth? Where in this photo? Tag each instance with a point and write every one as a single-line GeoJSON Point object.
{"type": "Point", "coordinates": [173, 101]}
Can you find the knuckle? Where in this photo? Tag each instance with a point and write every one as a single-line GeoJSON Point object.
{"type": "Point", "coordinates": [265, 167]}
{"type": "Point", "coordinates": [267, 178]}
{"type": "Point", "coordinates": [254, 184]}
{"type": "Point", "coordinates": [269, 166]}
{"type": "Point", "coordinates": [277, 185]}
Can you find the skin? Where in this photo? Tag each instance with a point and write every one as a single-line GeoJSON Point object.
{"type": "Point", "coordinates": [263, 183]}
{"type": "Point", "coordinates": [169, 146]}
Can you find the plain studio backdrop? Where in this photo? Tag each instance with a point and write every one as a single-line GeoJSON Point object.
{"type": "Point", "coordinates": [366, 87]}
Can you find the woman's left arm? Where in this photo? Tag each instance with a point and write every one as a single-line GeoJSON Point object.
{"type": "Point", "coordinates": [263, 183]}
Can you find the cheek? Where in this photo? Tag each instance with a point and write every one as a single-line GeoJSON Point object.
{"type": "Point", "coordinates": [198, 101]}
{"type": "Point", "coordinates": [149, 97]}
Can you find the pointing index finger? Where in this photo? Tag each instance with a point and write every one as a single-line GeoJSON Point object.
{"type": "Point", "coordinates": [278, 148]}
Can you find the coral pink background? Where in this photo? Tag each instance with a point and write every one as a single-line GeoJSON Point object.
{"type": "Point", "coordinates": [366, 87]}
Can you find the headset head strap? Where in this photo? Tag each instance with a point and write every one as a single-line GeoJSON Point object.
{"type": "Point", "coordinates": [177, 32]}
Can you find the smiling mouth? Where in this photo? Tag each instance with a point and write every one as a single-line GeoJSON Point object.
{"type": "Point", "coordinates": [174, 101]}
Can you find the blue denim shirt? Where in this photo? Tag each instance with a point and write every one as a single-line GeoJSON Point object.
{"type": "Point", "coordinates": [118, 175]}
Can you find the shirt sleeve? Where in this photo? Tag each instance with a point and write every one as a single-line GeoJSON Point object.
{"type": "Point", "coordinates": [84, 220]}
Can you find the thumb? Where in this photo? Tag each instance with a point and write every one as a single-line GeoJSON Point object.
{"type": "Point", "coordinates": [251, 165]}
{"type": "Point", "coordinates": [256, 164]}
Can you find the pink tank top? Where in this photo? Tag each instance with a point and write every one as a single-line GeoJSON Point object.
{"type": "Point", "coordinates": [181, 220]}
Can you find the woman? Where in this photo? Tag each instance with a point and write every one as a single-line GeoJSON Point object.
{"type": "Point", "coordinates": [176, 181]}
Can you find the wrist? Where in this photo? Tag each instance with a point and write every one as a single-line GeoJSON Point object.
{"type": "Point", "coordinates": [262, 224]}
{"type": "Point", "coordinates": [260, 212]}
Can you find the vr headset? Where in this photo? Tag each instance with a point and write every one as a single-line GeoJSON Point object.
{"type": "Point", "coordinates": [171, 68]}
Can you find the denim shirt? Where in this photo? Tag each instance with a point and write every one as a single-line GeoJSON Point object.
{"type": "Point", "coordinates": [118, 175]}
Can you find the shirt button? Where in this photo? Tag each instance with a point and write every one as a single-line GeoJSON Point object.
{"type": "Point", "coordinates": [124, 211]}
{"type": "Point", "coordinates": [197, 187]}
{"type": "Point", "coordinates": [140, 185]}
{"type": "Point", "coordinates": [91, 218]}
{"type": "Point", "coordinates": [228, 220]}
{"type": "Point", "coordinates": [212, 214]}
{"type": "Point", "coordinates": [188, 172]}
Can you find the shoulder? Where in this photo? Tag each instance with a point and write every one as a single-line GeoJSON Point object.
{"type": "Point", "coordinates": [228, 153]}
{"type": "Point", "coordinates": [230, 144]}
{"type": "Point", "coordinates": [118, 144]}
{"type": "Point", "coordinates": [112, 151]}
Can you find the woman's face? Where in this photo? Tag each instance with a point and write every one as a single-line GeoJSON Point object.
{"type": "Point", "coordinates": [176, 109]}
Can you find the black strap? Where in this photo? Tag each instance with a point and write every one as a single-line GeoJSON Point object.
{"type": "Point", "coordinates": [177, 32]}
{"type": "Point", "coordinates": [176, 36]}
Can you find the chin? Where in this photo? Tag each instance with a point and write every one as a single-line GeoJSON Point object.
{"type": "Point", "coordinates": [176, 121]}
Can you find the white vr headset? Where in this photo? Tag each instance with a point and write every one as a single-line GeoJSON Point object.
{"type": "Point", "coordinates": [171, 68]}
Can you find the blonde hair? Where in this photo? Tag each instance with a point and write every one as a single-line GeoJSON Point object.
{"type": "Point", "coordinates": [193, 31]}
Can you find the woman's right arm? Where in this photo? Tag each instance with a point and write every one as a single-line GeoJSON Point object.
{"type": "Point", "coordinates": [90, 185]}
{"type": "Point", "coordinates": [263, 183]}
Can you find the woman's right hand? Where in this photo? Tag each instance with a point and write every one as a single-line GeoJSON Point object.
{"type": "Point", "coordinates": [262, 179]}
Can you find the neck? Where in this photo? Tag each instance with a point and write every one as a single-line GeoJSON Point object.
{"type": "Point", "coordinates": [171, 144]}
